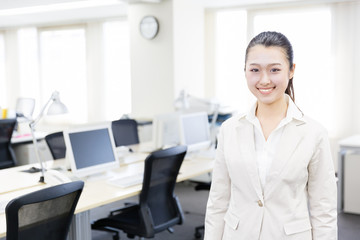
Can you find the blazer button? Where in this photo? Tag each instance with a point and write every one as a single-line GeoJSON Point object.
{"type": "Point", "coordinates": [260, 203]}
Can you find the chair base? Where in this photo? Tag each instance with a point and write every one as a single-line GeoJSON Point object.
{"type": "Point", "coordinates": [197, 231]}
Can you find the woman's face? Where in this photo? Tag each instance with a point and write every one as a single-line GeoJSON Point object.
{"type": "Point", "coordinates": [267, 73]}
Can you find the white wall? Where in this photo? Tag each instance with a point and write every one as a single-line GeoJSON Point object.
{"type": "Point", "coordinates": [152, 67]}
{"type": "Point", "coordinates": [172, 61]}
{"type": "Point", "coordinates": [189, 47]}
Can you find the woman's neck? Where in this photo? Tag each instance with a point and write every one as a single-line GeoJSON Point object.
{"type": "Point", "coordinates": [276, 109]}
{"type": "Point", "coordinates": [270, 115]}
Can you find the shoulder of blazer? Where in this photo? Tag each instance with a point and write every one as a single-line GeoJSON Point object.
{"type": "Point", "coordinates": [235, 122]}
{"type": "Point", "coordinates": [314, 125]}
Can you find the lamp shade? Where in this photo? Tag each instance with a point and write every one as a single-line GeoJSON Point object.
{"type": "Point", "coordinates": [57, 107]}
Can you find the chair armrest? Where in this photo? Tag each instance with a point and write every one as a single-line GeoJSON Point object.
{"type": "Point", "coordinates": [124, 209]}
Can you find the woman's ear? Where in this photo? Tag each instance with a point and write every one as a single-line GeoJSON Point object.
{"type": "Point", "coordinates": [292, 71]}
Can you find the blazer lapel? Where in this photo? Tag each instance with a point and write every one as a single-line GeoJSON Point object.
{"type": "Point", "coordinates": [245, 134]}
{"type": "Point", "coordinates": [289, 141]}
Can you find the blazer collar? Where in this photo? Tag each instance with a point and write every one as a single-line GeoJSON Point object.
{"type": "Point", "coordinates": [293, 112]}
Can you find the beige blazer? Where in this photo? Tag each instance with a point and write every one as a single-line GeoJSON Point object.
{"type": "Point", "coordinates": [298, 200]}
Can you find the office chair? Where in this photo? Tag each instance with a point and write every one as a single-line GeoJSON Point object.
{"type": "Point", "coordinates": [44, 214]}
{"type": "Point", "coordinates": [125, 132]}
{"type": "Point", "coordinates": [7, 155]}
{"type": "Point", "coordinates": [158, 208]}
{"type": "Point", "coordinates": [199, 187]}
{"type": "Point", "coordinates": [56, 144]}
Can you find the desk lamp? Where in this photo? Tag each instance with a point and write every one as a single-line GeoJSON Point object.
{"type": "Point", "coordinates": [57, 107]}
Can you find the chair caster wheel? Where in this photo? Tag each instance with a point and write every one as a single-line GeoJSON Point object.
{"type": "Point", "coordinates": [197, 235]}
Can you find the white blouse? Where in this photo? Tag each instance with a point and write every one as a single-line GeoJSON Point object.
{"type": "Point", "coordinates": [266, 149]}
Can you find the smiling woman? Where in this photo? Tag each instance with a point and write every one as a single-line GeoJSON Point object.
{"type": "Point", "coordinates": [273, 176]}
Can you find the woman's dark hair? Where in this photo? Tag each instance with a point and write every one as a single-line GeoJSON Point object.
{"type": "Point", "coordinates": [275, 39]}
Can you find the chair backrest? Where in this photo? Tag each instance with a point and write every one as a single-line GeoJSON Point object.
{"type": "Point", "coordinates": [157, 195]}
{"type": "Point", "coordinates": [125, 132]}
{"type": "Point", "coordinates": [7, 155]}
{"type": "Point", "coordinates": [44, 214]}
{"type": "Point", "coordinates": [56, 144]}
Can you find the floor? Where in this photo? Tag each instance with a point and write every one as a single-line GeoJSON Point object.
{"type": "Point", "coordinates": [194, 204]}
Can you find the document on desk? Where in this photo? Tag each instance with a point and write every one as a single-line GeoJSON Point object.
{"type": "Point", "coordinates": [20, 180]}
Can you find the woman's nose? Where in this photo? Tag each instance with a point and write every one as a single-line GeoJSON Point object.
{"type": "Point", "coordinates": [264, 79]}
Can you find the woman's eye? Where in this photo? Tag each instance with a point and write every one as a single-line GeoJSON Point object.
{"type": "Point", "coordinates": [254, 70]}
{"type": "Point", "coordinates": [275, 70]}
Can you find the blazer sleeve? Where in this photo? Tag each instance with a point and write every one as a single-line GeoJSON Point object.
{"type": "Point", "coordinates": [219, 195]}
{"type": "Point", "coordinates": [322, 191]}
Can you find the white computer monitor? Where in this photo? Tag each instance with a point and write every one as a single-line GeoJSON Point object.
{"type": "Point", "coordinates": [165, 130]}
{"type": "Point", "coordinates": [195, 131]}
{"type": "Point", "coordinates": [90, 150]}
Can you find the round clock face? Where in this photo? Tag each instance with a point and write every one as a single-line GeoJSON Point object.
{"type": "Point", "coordinates": [149, 27]}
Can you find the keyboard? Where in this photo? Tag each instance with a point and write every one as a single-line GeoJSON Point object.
{"type": "Point", "coordinates": [133, 157]}
{"type": "Point", "coordinates": [127, 181]}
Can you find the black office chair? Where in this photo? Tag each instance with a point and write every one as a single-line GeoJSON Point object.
{"type": "Point", "coordinates": [125, 132]}
{"type": "Point", "coordinates": [44, 214]}
{"type": "Point", "coordinates": [158, 208]}
{"type": "Point", "coordinates": [199, 187]}
{"type": "Point", "coordinates": [56, 144]}
{"type": "Point", "coordinates": [7, 155]}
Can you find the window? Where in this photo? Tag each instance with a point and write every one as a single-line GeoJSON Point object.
{"type": "Point", "coordinates": [63, 68]}
{"type": "Point", "coordinates": [88, 64]}
{"type": "Point", "coordinates": [28, 66]}
{"type": "Point", "coordinates": [231, 40]}
{"type": "Point", "coordinates": [117, 69]}
{"type": "Point", "coordinates": [3, 101]}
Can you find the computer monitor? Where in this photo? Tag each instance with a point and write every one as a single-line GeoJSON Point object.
{"type": "Point", "coordinates": [195, 131]}
{"type": "Point", "coordinates": [90, 150]}
{"type": "Point", "coordinates": [166, 130]}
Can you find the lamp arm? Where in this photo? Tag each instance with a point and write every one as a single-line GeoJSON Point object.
{"type": "Point", "coordinates": [37, 119]}
{"type": "Point", "coordinates": [32, 125]}
{"type": "Point", "coordinates": [42, 177]}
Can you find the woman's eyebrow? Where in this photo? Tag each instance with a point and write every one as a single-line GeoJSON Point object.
{"type": "Point", "coordinates": [258, 64]}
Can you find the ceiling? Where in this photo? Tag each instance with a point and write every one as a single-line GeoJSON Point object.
{"type": "Point", "coordinates": [48, 12]}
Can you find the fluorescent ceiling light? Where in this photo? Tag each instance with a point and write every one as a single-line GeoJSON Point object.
{"type": "Point", "coordinates": [58, 7]}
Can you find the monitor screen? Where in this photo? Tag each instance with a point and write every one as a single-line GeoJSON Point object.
{"type": "Point", "coordinates": [195, 131]}
{"type": "Point", "coordinates": [90, 150]}
{"type": "Point", "coordinates": [166, 130]}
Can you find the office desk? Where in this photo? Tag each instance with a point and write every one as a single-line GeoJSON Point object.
{"type": "Point", "coordinates": [347, 145]}
{"type": "Point", "coordinates": [96, 192]}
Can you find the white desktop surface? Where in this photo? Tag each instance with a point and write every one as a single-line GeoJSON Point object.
{"type": "Point", "coordinates": [352, 141]}
{"type": "Point", "coordinates": [96, 192]}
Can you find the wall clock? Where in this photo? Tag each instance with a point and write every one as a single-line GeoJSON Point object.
{"type": "Point", "coordinates": [149, 27]}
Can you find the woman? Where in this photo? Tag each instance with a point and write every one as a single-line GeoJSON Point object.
{"type": "Point", "coordinates": [273, 176]}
